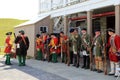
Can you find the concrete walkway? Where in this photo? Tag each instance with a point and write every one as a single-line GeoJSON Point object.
{"type": "Point", "coordinates": [52, 71]}
{"type": "Point", "coordinates": [15, 72]}
{"type": "Point", "coordinates": [70, 72]}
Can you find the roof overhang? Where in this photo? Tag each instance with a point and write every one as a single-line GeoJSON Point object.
{"type": "Point", "coordinates": [34, 20]}
{"type": "Point", "coordinates": [77, 8]}
{"type": "Point", "coordinates": [84, 6]}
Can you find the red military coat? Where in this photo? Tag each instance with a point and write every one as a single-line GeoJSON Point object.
{"type": "Point", "coordinates": [54, 45]}
{"type": "Point", "coordinates": [44, 38]}
{"type": "Point", "coordinates": [39, 43]}
{"type": "Point", "coordinates": [8, 46]}
{"type": "Point", "coordinates": [114, 47]}
{"type": "Point", "coordinates": [63, 43]}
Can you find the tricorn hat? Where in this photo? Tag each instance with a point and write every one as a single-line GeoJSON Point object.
{"type": "Point", "coordinates": [62, 32]}
{"type": "Point", "coordinates": [37, 35]}
{"type": "Point", "coordinates": [97, 30]}
{"type": "Point", "coordinates": [21, 31]}
{"type": "Point", "coordinates": [43, 31]}
{"type": "Point", "coordinates": [9, 33]}
{"type": "Point", "coordinates": [84, 29]}
{"type": "Point", "coordinates": [111, 30]}
{"type": "Point", "coordinates": [52, 34]}
{"type": "Point", "coordinates": [72, 30]}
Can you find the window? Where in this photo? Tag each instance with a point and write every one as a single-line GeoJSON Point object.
{"type": "Point", "coordinates": [43, 29]}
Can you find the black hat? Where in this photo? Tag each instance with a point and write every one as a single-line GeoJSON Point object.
{"type": "Point", "coordinates": [43, 31]}
{"type": "Point", "coordinates": [52, 34]}
{"type": "Point", "coordinates": [97, 30]}
{"type": "Point", "coordinates": [71, 30]}
{"type": "Point", "coordinates": [9, 33]}
{"type": "Point", "coordinates": [21, 31]}
{"type": "Point", "coordinates": [84, 29]}
{"type": "Point", "coordinates": [37, 35]}
{"type": "Point", "coordinates": [111, 30]}
{"type": "Point", "coordinates": [62, 32]}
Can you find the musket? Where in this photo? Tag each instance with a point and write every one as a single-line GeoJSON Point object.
{"type": "Point", "coordinates": [68, 53]}
{"type": "Point", "coordinates": [14, 36]}
{"type": "Point", "coordinates": [61, 53]}
{"type": "Point", "coordinates": [91, 57]}
{"type": "Point", "coordinates": [15, 46]}
{"type": "Point", "coordinates": [104, 53]}
{"type": "Point", "coordinates": [105, 61]}
{"type": "Point", "coordinates": [61, 44]}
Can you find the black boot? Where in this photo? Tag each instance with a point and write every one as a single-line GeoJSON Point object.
{"type": "Point", "coordinates": [19, 60]}
{"type": "Point", "coordinates": [83, 66]}
{"type": "Point", "coordinates": [99, 71]}
{"type": "Point", "coordinates": [84, 62]}
{"type": "Point", "coordinates": [7, 62]}
{"type": "Point", "coordinates": [24, 59]}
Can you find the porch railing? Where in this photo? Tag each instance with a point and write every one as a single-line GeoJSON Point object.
{"type": "Point", "coordinates": [64, 3]}
{"type": "Point", "coordinates": [57, 4]}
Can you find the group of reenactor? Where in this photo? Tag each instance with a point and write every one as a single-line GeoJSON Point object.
{"type": "Point", "coordinates": [46, 44]}
{"type": "Point", "coordinates": [70, 48]}
{"type": "Point", "coordinates": [73, 48]}
{"type": "Point", "coordinates": [16, 48]}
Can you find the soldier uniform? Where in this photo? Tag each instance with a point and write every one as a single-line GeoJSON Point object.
{"type": "Point", "coordinates": [8, 47]}
{"type": "Point", "coordinates": [76, 41]}
{"type": "Point", "coordinates": [53, 47]}
{"type": "Point", "coordinates": [97, 51]}
{"type": "Point", "coordinates": [48, 48]}
{"type": "Point", "coordinates": [22, 45]}
{"type": "Point", "coordinates": [114, 43]}
{"type": "Point", "coordinates": [44, 48]}
{"type": "Point", "coordinates": [70, 46]}
{"type": "Point", "coordinates": [63, 45]}
{"type": "Point", "coordinates": [39, 47]}
{"type": "Point", "coordinates": [84, 48]}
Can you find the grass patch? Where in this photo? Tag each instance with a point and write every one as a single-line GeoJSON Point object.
{"type": "Point", "coordinates": [7, 25]}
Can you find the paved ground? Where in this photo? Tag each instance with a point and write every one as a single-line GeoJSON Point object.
{"type": "Point", "coordinates": [39, 70]}
{"type": "Point", "coordinates": [14, 72]}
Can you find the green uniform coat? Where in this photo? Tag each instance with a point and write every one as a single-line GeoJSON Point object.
{"type": "Point", "coordinates": [86, 42]}
{"type": "Point", "coordinates": [76, 42]}
{"type": "Point", "coordinates": [97, 46]}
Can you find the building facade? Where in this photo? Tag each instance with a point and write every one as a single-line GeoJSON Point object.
{"type": "Point", "coordinates": [92, 14]}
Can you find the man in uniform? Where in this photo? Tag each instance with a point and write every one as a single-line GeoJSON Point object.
{"type": "Point", "coordinates": [53, 47]}
{"type": "Point", "coordinates": [48, 47]}
{"type": "Point", "coordinates": [22, 45]}
{"type": "Point", "coordinates": [8, 47]}
{"type": "Point", "coordinates": [84, 48]}
{"type": "Point", "coordinates": [63, 45]}
{"type": "Point", "coordinates": [44, 48]}
{"type": "Point", "coordinates": [97, 45]}
{"type": "Point", "coordinates": [76, 42]}
{"type": "Point", "coordinates": [70, 46]}
{"type": "Point", "coordinates": [114, 44]}
{"type": "Point", "coordinates": [39, 47]}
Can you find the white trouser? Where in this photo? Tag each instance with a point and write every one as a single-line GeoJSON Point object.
{"type": "Point", "coordinates": [113, 66]}
{"type": "Point", "coordinates": [116, 66]}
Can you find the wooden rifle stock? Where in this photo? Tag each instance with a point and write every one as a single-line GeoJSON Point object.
{"type": "Point", "coordinates": [14, 55]}
{"type": "Point", "coordinates": [104, 53]}
{"type": "Point", "coordinates": [68, 54]}
{"type": "Point", "coordinates": [14, 36]}
{"type": "Point", "coordinates": [105, 61]}
{"type": "Point", "coordinates": [61, 52]}
{"type": "Point", "coordinates": [91, 59]}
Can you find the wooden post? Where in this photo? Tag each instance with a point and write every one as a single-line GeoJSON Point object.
{"type": "Point", "coordinates": [117, 19]}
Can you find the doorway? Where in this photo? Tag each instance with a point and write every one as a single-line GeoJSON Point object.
{"type": "Point", "coordinates": [111, 22]}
